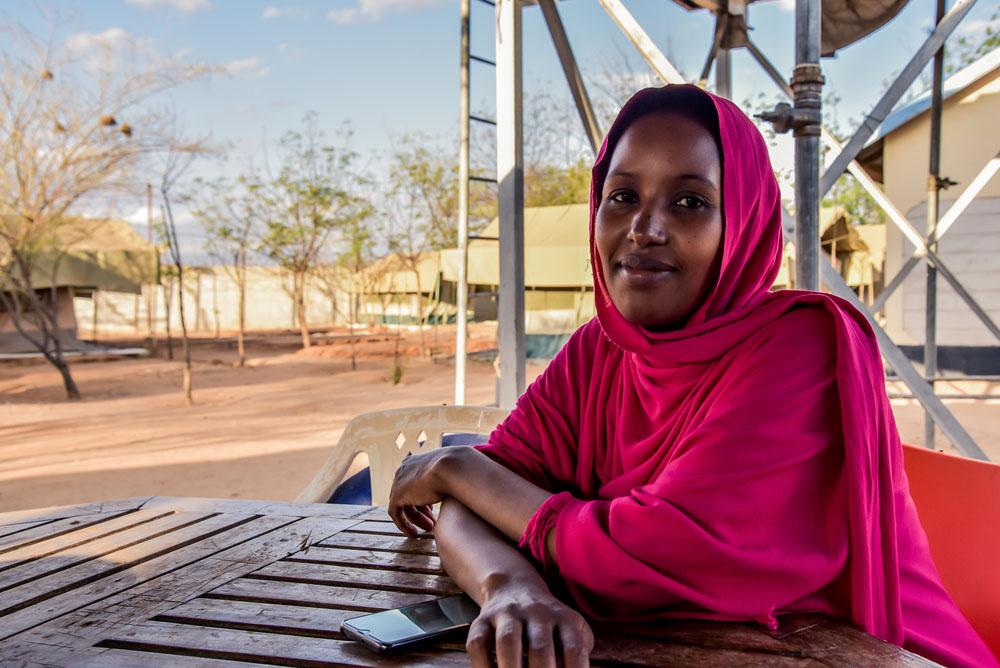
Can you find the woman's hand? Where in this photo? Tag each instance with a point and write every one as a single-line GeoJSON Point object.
{"type": "Point", "coordinates": [528, 614]}
{"type": "Point", "coordinates": [420, 482]}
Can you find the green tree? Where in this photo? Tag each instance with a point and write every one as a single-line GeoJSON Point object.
{"type": "Point", "coordinates": [225, 210]}
{"type": "Point", "coordinates": [314, 194]}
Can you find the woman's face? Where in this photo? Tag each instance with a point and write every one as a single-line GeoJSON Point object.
{"type": "Point", "coordinates": [659, 223]}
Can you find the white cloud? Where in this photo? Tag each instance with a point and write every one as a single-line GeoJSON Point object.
{"type": "Point", "coordinates": [375, 9]}
{"type": "Point", "coordinates": [286, 11]}
{"type": "Point", "coordinates": [112, 39]}
{"type": "Point", "coordinates": [250, 67]}
{"type": "Point", "coordinates": [186, 6]}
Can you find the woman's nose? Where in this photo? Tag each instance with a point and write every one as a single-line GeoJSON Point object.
{"type": "Point", "coordinates": [648, 229]}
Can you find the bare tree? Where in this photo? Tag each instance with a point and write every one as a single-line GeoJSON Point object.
{"type": "Point", "coordinates": [313, 195]}
{"type": "Point", "coordinates": [73, 131]}
{"type": "Point", "coordinates": [177, 162]}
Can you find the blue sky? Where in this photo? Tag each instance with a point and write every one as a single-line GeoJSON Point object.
{"type": "Point", "coordinates": [391, 66]}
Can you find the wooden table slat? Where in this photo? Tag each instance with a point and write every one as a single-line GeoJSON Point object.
{"type": "Point", "coordinates": [381, 528]}
{"type": "Point", "coordinates": [54, 529]}
{"type": "Point", "coordinates": [59, 512]}
{"type": "Point", "coordinates": [9, 529]}
{"type": "Point", "coordinates": [83, 533]}
{"type": "Point", "coordinates": [364, 541]}
{"type": "Point", "coordinates": [187, 575]}
{"type": "Point", "coordinates": [357, 577]}
{"type": "Point", "coordinates": [123, 658]}
{"type": "Point", "coordinates": [315, 595]}
{"type": "Point", "coordinates": [118, 571]}
{"type": "Point", "coordinates": [70, 561]}
{"type": "Point", "coordinates": [268, 647]}
{"type": "Point", "coordinates": [396, 561]}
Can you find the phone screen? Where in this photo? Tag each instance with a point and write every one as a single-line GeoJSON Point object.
{"type": "Point", "coordinates": [404, 626]}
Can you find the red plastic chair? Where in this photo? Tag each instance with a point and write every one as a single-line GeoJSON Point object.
{"type": "Point", "coordinates": [958, 500]}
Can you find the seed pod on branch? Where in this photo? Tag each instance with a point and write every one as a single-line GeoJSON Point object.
{"type": "Point", "coordinates": [108, 121]}
{"type": "Point", "coordinates": [47, 75]}
{"type": "Point", "coordinates": [126, 129]}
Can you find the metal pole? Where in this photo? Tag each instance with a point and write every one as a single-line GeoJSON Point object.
{"type": "Point", "coordinates": [572, 72]}
{"type": "Point", "coordinates": [462, 300]}
{"type": "Point", "coordinates": [510, 178]}
{"type": "Point", "coordinates": [807, 86]}
{"type": "Point", "coordinates": [933, 191]}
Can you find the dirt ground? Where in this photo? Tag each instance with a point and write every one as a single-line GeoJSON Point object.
{"type": "Point", "coordinates": [254, 432]}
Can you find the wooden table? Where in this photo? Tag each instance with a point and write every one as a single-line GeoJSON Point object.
{"type": "Point", "coordinates": [204, 582]}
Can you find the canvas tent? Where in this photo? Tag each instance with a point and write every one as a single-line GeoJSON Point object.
{"type": "Point", "coordinates": [82, 256]}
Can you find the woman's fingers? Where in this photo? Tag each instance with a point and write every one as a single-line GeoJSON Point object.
{"type": "Point", "coordinates": [577, 643]}
{"type": "Point", "coordinates": [417, 518]}
{"type": "Point", "coordinates": [477, 645]}
{"type": "Point", "coordinates": [541, 646]}
{"type": "Point", "coordinates": [510, 650]}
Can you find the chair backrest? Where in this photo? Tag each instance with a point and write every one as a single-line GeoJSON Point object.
{"type": "Point", "coordinates": [958, 500]}
{"type": "Point", "coordinates": [388, 436]}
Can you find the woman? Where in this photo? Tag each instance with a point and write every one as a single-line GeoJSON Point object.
{"type": "Point", "coordinates": [703, 448]}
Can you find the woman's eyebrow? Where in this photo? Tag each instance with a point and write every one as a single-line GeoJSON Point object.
{"type": "Point", "coordinates": [698, 177]}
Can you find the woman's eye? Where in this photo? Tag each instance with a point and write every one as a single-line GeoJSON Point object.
{"type": "Point", "coordinates": [691, 202]}
{"type": "Point", "coordinates": [621, 197]}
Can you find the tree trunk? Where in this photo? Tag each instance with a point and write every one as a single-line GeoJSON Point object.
{"type": "Point", "coordinates": [300, 307]}
{"type": "Point", "coordinates": [420, 314]}
{"type": "Point", "coordinates": [168, 300]}
{"type": "Point", "coordinates": [72, 392]}
{"type": "Point", "coordinates": [350, 327]}
{"type": "Point", "coordinates": [241, 316]}
{"type": "Point", "coordinates": [184, 338]}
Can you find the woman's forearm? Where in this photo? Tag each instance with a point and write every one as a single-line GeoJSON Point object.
{"type": "Point", "coordinates": [499, 496]}
{"type": "Point", "coordinates": [477, 557]}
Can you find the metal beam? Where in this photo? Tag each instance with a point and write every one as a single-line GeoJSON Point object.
{"type": "Point", "coordinates": [889, 99]}
{"type": "Point", "coordinates": [897, 359]}
{"type": "Point", "coordinates": [944, 224]}
{"type": "Point", "coordinates": [947, 422]}
{"type": "Point", "coordinates": [724, 73]}
{"type": "Point", "coordinates": [894, 214]}
{"type": "Point", "coordinates": [510, 176]}
{"type": "Point", "coordinates": [462, 297]}
{"type": "Point", "coordinates": [650, 53]}
{"type": "Point", "coordinates": [572, 72]}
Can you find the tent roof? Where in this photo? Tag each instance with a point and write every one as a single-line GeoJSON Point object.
{"type": "Point", "coordinates": [105, 254]}
{"type": "Point", "coordinates": [563, 225]}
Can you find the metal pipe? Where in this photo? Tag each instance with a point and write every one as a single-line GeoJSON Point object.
{"type": "Point", "coordinates": [510, 177]}
{"type": "Point", "coordinates": [891, 96]}
{"type": "Point", "coordinates": [933, 193]}
{"type": "Point", "coordinates": [807, 86]}
{"type": "Point", "coordinates": [462, 297]}
{"type": "Point", "coordinates": [724, 73]}
{"type": "Point", "coordinates": [572, 72]}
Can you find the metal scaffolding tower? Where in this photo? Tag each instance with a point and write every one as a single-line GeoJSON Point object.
{"type": "Point", "coordinates": [813, 35]}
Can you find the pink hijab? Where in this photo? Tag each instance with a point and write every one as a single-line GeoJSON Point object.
{"type": "Point", "coordinates": [742, 467]}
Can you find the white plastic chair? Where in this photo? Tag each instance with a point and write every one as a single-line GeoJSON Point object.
{"type": "Point", "coordinates": [388, 436]}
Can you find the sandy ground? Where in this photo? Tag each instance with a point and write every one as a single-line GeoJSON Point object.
{"type": "Point", "coordinates": [255, 432]}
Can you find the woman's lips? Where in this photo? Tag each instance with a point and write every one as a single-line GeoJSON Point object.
{"type": "Point", "coordinates": [643, 271]}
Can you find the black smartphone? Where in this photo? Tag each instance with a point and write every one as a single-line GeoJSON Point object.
{"type": "Point", "coordinates": [395, 629]}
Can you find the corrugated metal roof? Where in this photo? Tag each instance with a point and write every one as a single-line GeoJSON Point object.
{"type": "Point", "coordinates": [953, 84]}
